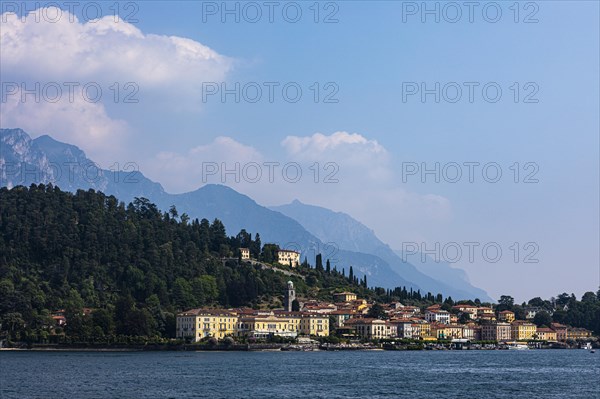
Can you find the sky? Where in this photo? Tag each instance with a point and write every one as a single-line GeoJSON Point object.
{"type": "Point", "coordinates": [470, 132]}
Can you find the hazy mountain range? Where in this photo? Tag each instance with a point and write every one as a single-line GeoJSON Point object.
{"type": "Point", "coordinates": [310, 229]}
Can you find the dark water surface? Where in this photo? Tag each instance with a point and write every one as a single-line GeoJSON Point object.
{"type": "Point", "coordinates": [424, 374]}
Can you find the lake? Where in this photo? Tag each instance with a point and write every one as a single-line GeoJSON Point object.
{"type": "Point", "coordinates": [429, 374]}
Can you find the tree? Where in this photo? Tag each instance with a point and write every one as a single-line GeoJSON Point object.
{"type": "Point", "coordinates": [103, 319]}
{"type": "Point", "coordinates": [269, 253]}
{"type": "Point", "coordinates": [563, 299]}
{"type": "Point", "coordinates": [506, 301]}
{"type": "Point", "coordinates": [377, 312]}
{"type": "Point", "coordinates": [542, 318]}
{"type": "Point", "coordinates": [464, 318]}
{"type": "Point", "coordinates": [182, 294]}
{"type": "Point", "coordinates": [173, 212]}
{"type": "Point", "coordinates": [319, 262]}
{"type": "Point", "coordinates": [537, 302]}
{"type": "Point", "coordinates": [295, 306]}
{"type": "Point", "coordinates": [589, 297]}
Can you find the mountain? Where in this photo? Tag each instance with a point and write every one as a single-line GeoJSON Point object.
{"type": "Point", "coordinates": [44, 160]}
{"type": "Point", "coordinates": [350, 234]}
{"type": "Point", "coordinates": [24, 161]}
{"type": "Point", "coordinates": [450, 275]}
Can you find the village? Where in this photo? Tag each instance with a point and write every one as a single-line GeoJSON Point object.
{"type": "Point", "coordinates": [348, 318]}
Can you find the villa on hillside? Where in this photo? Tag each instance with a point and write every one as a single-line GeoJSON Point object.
{"type": "Point", "coordinates": [288, 257]}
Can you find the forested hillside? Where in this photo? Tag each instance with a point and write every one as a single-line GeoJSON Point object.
{"type": "Point", "coordinates": [120, 271]}
{"type": "Point", "coordinates": [133, 265]}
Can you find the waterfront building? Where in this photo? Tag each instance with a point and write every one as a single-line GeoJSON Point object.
{"type": "Point", "coordinates": [500, 332]}
{"type": "Point", "coordinates": [405, 329]}
{"type": "Point", "coordinates": [561, 331]}
{"type": "Point", "coordinates": [267, 324]}
{"type": "Point", "coordinates": [446, 331]}
{"type": "Point", "coordinates": [522, 330]}
{"type": "Point", "coordinates": [546, 334]}
{"type": "Point", "coordinates": [578, 333]}
{"type": "Point", "coordinates": [369, 328]}
{"type": "Point", "coordinates": [314, 324]}
{"type": "Point", "coordinates": [197, 324]}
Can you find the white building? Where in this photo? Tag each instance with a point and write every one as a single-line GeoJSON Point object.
{"type": "Point", "coordinates": [288, 257]}
{"type": "Point", "coordinates": [440, 316]}
{"type": "Point", "coordinates": [245, 252]}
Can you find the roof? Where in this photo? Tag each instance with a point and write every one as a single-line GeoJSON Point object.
{"type": "Point", "coordinates": [366, 320]}
{"type": "Point", "coordinates": [210, 312]}
{"type": "Point", "coordinates": [288, 250]}
{"type": "Point", "coordinates": [521, 322]}
{"type": "Point", "coordinates": [545, 330]}
{"type": "Point", "coordinates": [342, 312]}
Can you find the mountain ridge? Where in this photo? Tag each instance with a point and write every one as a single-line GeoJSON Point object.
{"type": "Point", "coordinates": [237, 211]}
{"type": "Point", "coordinates": [349, 233]}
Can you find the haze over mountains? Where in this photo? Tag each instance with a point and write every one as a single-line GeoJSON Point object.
{"type": "Point", "coordinates": [345, 241]}
{"type": "Point", "coordinates": [350, 234]}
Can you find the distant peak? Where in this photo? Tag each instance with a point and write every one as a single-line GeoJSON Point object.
{"type": "Point", "coordinates": [14, 133]}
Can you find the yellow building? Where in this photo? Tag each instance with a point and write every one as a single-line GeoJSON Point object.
{"type": "Point", "coordinates": [446, 331]}
{"type": "Point", "coordinates": [424, 329]}
{"type": "Point", "coordinates": [578, 333]}
{"type": "Point", "coordinates": [470, 310]}
{"type": "Point", "coordinates": [506, 316]}
{"type": "Point", "coordinates": [201, 323]}
{"type": "Point", "coordinates": [546, 334]}
{"type": "Point", "coordinates": [314, 324]}
{"type": "Point", "coordinates": [344, 297]}
{"type": "Point", "coordinates": [288, 257]}
{"type": "Point", "coordinates": [266, 324]}
{"type": "Point", "coordinates": [522, 330]}
{"type": "Point", "coordinates": [283, 324]}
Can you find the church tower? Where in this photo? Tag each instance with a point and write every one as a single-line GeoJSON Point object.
{"type": "Point", "coordinates": [290, 296]}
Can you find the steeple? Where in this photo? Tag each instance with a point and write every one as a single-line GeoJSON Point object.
{"type": "Point", "coordinates": [290, 296]}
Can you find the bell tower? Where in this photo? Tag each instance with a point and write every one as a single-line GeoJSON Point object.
{"type": "Point", "coordinates": [290, 296]}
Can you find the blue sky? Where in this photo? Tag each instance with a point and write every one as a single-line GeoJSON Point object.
{"type": "Point", "coordinates": [368, 55]}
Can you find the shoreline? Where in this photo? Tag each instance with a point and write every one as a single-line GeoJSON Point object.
{"type": "Point", "coordinates": [252, 348]}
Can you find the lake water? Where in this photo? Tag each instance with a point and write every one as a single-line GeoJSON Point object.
{"type": "Point", "coordinates": [427, 374]}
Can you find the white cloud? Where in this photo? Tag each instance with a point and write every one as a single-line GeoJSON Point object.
{"type": "Point", "coordinates": [319, 145]}
{"type": "Point", "coordinates": [105, 50]}
{"type": "Point", "coordinates": [356, 156]}
{"type": "Point", "coordinates": [168, 72]}
{"type": "Point", "coordinates": [70, 121]}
